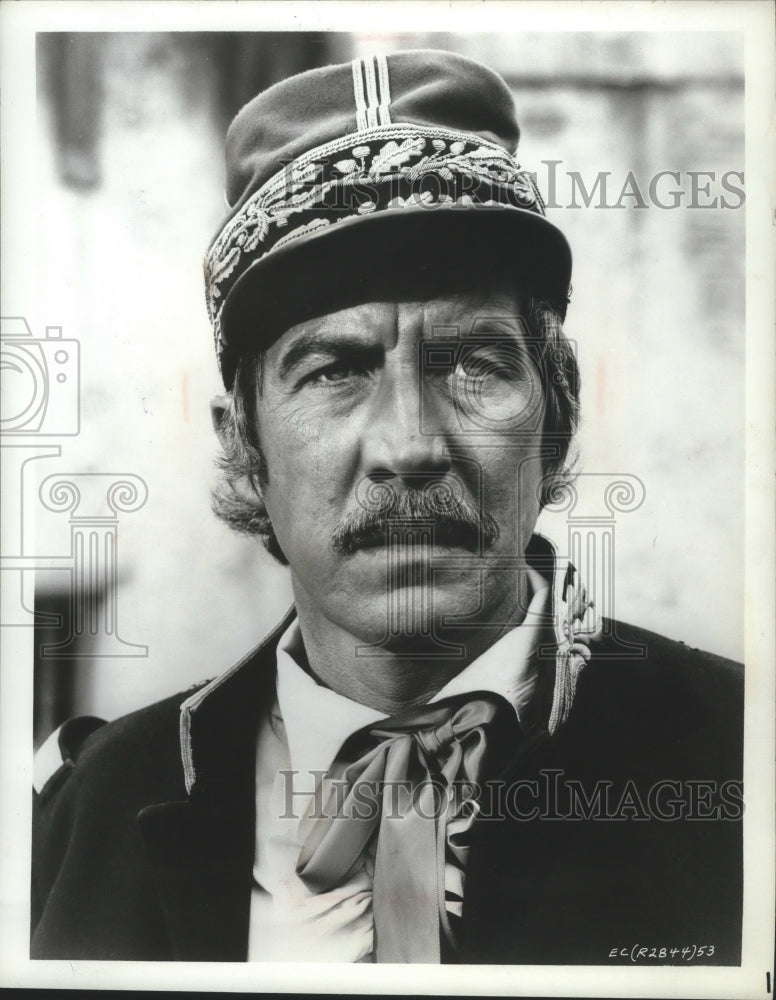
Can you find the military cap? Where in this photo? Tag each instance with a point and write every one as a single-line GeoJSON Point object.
{"type": "Point", "coordinates": [349, 178]}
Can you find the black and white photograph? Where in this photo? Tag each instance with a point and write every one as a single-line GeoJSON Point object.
{"type": "Point", "coordinates": [387, 446]}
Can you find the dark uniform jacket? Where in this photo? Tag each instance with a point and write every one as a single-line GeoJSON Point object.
{"type": "Point", "coordinates": [619, 838]}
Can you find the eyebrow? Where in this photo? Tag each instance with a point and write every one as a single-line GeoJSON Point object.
{"type": "Point", "coordinates": [485, 327]}
{"type": "Point", "coordinates": [311, 343]}
{"type": "Point", "coordinates": [337, 345]}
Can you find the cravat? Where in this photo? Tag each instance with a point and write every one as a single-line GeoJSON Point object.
{"type": "Point", "coordinates": [411, 781]}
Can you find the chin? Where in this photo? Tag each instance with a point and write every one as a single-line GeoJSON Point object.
{"type": "Point", "coordinates": [409, 618]}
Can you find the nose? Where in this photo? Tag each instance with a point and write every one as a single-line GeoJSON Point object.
{"type": "Point", "coordinates": [405, 437]}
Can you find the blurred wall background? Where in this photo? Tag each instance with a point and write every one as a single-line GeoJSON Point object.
{"type": "Point", "coordinates": [129, 174]}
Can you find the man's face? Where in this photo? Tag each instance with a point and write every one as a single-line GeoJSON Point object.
{"type": "Point", "coordinates": [402, 441]}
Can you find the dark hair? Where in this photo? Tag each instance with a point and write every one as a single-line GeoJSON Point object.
{"type": "Point", "coordinates": [237, 499]}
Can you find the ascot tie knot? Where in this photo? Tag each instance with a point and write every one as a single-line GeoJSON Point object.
{"type": "Point", "coordinates": [436, 741]}
{"type": "Point", "coordinates": [419, 836]}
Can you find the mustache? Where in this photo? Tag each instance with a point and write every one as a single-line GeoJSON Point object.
{"type": "Point", "coordinates": [456, 520]}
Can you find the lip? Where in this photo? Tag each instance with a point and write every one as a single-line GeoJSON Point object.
{"type": "Point", "coordinates": [420, 539]}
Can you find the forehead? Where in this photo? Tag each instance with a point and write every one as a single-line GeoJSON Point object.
{"type": "Point", "coordinates": [397, 317]}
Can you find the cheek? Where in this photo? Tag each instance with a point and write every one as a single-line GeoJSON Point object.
{"type": "Point", "coordinates": [512, 482]}
{"type": "Point", "coordinates": [529, 479]}
{"type": "Point", "coordinates": [306, 476]}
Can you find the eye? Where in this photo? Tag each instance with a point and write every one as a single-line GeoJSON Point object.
{"type": "Point", "coordinates": [335, 374]}
{"type": "Point", "coordinates": [495, 387]}
{"type": "Point", "coordinates": [501, 361]}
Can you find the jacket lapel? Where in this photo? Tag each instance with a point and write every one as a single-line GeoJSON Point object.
{"type": "Point", "coordinates": [201, 848]}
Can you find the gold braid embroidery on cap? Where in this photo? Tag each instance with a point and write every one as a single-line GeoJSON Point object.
{"type": "Point", "coordinates": [406, 152]}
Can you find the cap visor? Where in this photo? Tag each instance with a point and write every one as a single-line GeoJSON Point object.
{"type": "Point", "coordinates": [410, 251]}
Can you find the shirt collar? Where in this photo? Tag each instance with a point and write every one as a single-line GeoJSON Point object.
{"type": "Point", "coordinates": [317, 720]}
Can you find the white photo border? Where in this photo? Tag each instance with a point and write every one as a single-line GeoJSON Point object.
{"type": "Point", "coordinates": [20, 22]}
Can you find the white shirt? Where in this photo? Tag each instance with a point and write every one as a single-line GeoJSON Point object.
{"type": "Point", "coordinates": [302, 736]}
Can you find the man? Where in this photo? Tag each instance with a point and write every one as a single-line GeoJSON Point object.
{"type": "Point", "coordinates": [439, 755]}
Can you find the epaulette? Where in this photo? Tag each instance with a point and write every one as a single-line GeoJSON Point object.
{"type": "Point", "coordinates": [62, 748]}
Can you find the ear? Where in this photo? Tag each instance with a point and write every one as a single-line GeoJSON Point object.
{"type": "Point", "coordinates": [218, 407]}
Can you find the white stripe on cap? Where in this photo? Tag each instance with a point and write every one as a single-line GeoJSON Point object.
{"type": "Point", "coordinates": [384, 90]}
{"type": "Point", "coordinates": [358, 93]}
{"type": "Point", "coordinates": [372, 92]}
